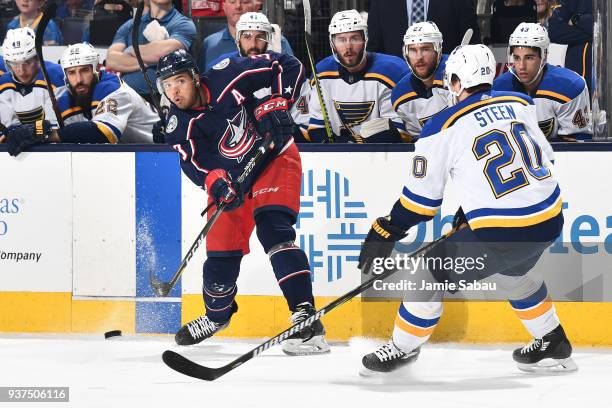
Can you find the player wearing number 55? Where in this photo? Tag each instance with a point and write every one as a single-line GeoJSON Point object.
{"type": "Point", "coordinates": [490, 144]}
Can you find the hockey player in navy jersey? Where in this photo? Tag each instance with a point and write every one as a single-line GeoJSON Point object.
{"type": "Point", "coordinates": [356, 87]}
{"type": "Point", "coordinates": [490, 144]}
{"type": "Point", "coordinates": [216, 124]}
{"type": "Point", "coordinates": [421, 94]}
{"type": "Point", "coordinates": [560, 94]}
{"type": "Point", "coordinates": [96, 107]}
{"type": "Point", "coordinates": [23, 91]}
{"type": "Point", "coordinates": [254, 35]}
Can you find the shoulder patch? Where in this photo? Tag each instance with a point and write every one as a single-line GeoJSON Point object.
{"type": "Point", "coordinates": [172, 123]}
{"type": "Point", "coordinates": [221, 64]}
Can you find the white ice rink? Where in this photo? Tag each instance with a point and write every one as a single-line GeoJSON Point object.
{"type": "Point", "coordinates": [128, 372]}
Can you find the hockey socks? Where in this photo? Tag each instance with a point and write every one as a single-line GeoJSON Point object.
{"type": "Point", "coordinates": [219, 290]}
{"type": "Point", "coordinates": [414, 323]}
{"type": "Point", "coordinates": [292, 273]}
{"type": "Point", "coordinates": [537, 312]}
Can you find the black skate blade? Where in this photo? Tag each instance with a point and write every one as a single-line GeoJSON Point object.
{"type": "Point", "coordinates": [550, 366]}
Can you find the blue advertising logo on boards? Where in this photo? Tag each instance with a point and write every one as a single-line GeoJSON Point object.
{"type": "Point", "coordinates": [326, 198]}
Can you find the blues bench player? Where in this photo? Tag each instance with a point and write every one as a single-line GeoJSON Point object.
{"type": "Point", "coordinates": [254, 35]}
{"type": "Point", "coordinates": [96, 106]}
{"type": "Point", "coordinates": [421, 94]}
{"type": "Point", "coordinates": [23, 91]}
{"type": "Point", "coordinates": [356, 87]}
{"type": "Point", "coordinates": [561, 95]}
{"type": "Point", "coordinates": [490, 144]}
{"type": "Point", "coordinates": [215, 124]}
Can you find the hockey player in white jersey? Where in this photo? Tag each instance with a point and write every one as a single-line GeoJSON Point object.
{"type": "Point", "coordinates": [23, 91]}
{"type": "Point", "coordinates": [96, 106]}
{"type": "Point", "coordinates": [356, 87]}
{"type": "Point", "coordinates": [421, 94]}
{"type": "Point", "coordinates": [560, 94]}
{"type": "Point", "coordinates": [490, 144]}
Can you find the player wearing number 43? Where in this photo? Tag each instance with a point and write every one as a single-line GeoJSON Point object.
{"type": "Point", "coordinates": [560, 94]}
{"type": "Point", "coordinates": [217, 125]}
{"type": "Point", "coordinates": [96, 106]}
{"type": "Point", "coordinates": [356, 87]}
{"type": "Point", "coordinates": [500, 162]}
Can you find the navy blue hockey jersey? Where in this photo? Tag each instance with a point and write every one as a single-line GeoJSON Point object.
{"type": "Point", "coordinates": [222, 133]}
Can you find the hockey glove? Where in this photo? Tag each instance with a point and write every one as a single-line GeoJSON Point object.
{"type": "Point", "coordinates": [273, 120]}
{"type": "Point", "coordinates": [379, 242]}
{"type": "Point", "coordinates": [159, 132]}
{"type": "Point", "coordinates": [22, 137]}
{"type": "Point", "coordinates": [459, 220]}
{"type": "Point", "coordinates": [222, 189]}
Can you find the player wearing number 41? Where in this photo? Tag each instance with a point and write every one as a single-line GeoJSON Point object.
{"type": "Point", "coordinates": [96, 106]}
{"type": "Point", "coordinates": [490, 144]}
{"type": "Point", "coordinates": [561, 95]}
{"type": "Point", "coordinates": [421, 94]}
{"type": "Point", "coordinates": [356, 87]}
{"type": "Point", "coordinates": [217, 125]}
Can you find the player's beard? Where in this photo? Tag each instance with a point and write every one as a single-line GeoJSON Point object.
{"type": "Point", "coordinates": [253, 50]}
{"type": "Point", "coordinates": [84, 99]}
{"type": "Point", "coordinates": [357, 61]}
{"type": "Point", "coordinates": [428, 74]}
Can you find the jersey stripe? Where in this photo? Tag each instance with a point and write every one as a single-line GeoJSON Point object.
{"type": "Point", "coordinates": [517, 217]}
{"type": "Point", "coordinates": [552, 95]}
{"type": "Point", "coordinates": [386, 80]}
{"type": "Point", "coordinates": [500, 99]}
{"type": "Point", "coordinates": [404, 98]}
{"type": "Point", "coordinates": [107, 132]}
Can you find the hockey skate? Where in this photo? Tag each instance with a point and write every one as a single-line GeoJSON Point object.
{"type": "Point", "coordinates": [200, 329]}
{"type": "Point", "coordinates": [550, 354]}
{"type": "Point", "coordinates": [387, 358]}
{"type": "Point", "coordinates": [309, 340]}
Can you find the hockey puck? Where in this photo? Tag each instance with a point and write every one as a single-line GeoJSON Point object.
{"type": "Point", "coordinates": [112, 333]}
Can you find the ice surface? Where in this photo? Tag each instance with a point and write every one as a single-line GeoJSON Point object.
{"type": "Point", "coordinates": [128, 372]}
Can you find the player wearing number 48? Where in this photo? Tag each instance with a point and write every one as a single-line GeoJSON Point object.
{"type": "Point", "coordinates": [95, 105]}
{"type": "Point", "coordinates": [490, 144]}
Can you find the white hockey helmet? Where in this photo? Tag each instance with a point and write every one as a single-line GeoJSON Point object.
{"type": "Point", "coordinates": [19, 45]}
{"type": "Point", "coordinates": [252, 21]}
{"type": "Point", "coordinates": [80, 54]}
{"type": "Point", "coordinates": [419, 33]}
{"type": "Point", "coordinates": [472, 64]}
{"type": "Point", "coordinates": [345, 22]}
{"type": "Point", "coordinates": [531, 35]}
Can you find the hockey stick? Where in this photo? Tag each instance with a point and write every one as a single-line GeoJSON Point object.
{"type": "Point", "coordinates": [185, 366]}
{"type": "Point", "coordinates": [143, 69]}
{"type": "Point", "coordinates": [164, 288]}
{"type": "Point", "coordinates": [467, 37]}
{"type": "Point", "coordinates": [307, 40]}
{"type": "Point", "coordinates": [48, 13]}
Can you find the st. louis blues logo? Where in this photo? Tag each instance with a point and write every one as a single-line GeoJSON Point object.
{"type": "Point", "coordinates": [238, 139]}
{"type": "Point", "coordinates": [354, 113]}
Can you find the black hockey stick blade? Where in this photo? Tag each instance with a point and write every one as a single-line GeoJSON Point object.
{"type": "Point", "coordinates": [163, 288]}
{"type": "Point", "coordinates": [48, 13]}
{"type": "Point", "coordinates": [192, 369]}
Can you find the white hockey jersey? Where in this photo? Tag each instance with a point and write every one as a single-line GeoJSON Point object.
{"type": "Point", "coordinates": [118, 111]}
{"type": "Point", "coordinates": [562, 100]}
{"type": "Point", "coordinates": [499, 160]}
{"type": "Point", "coordinates": [415, 104]}
{"type": "Point", "coordinates": [355, 98]}
{"type": "Point", "coordinates": [23, 104]}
